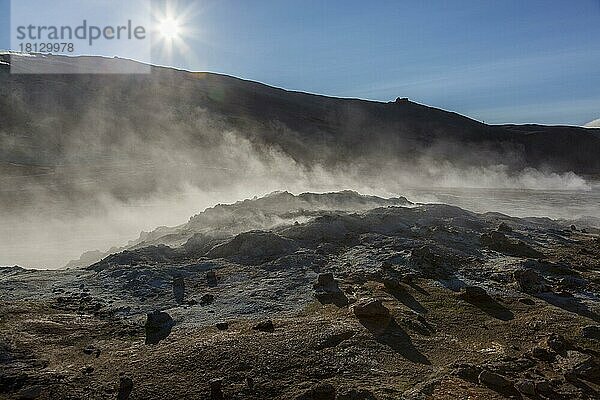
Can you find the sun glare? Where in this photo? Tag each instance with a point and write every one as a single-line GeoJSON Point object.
{"type": "Point", "coordinates": [173, 28]}
{"type": "Point", "coordinates": [169, 28]}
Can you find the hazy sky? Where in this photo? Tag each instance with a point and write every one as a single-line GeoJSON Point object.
{"type": "Point", "coordinates": [497, 61]}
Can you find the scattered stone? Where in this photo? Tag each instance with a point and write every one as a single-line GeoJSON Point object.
{"type": "Point", "coordinates": [334, 339]}
{"type": "Point", "coordinates": [30, 393]}
{"type": "Point", "coordinates": [527, 301]}
{"type": "Point", "coordinates": [211, 278]}
{"type": "Point", "coordinates": [370, 309]}
{"type": "Point", "coordinates": [543, 387]}
{"type": "Point", "coordinates": [587, 369]}
{"type": "Point", "coordinates": [222, 326]}
{"type": "Point", "coordinates": [326, 248]}
{"type": "Point", "coordinates": [125, 388]}
{"type": "Point", "coordinates": [327, 291]}
{"type": "Point", "coordinates": [494, 380]}
{"type": "Point", "coordinates": [325, 280]}
{"type": "Point", "coordinates": [430, 264]}
{"type": "Point", "coordinates": [474, 294]}
{"type": "Point", "coordinates": [542, 354]}
{"type": "Point", "coordinates": [504, 227]}
{"type": "Point", "coordinates": [572, 282]}
{"type": "Point", "coordinates": [355, 394]}
{"type": "Point", "coordinates": [529, 281]}
{"type": "Point", "coordinates": [556, 343]}
{"type": "Point", "coordinates": [576, 365]}
{"type": "Point", "coordinates": [216, 389]}
{"type": "Point", "coordinates": [264, 326]}
{"type": "Point", "coordinates": [320, 391]}
{"type": "Point", "coordinates": [178, 289]}
{"type": "Point", "coordinates": [497, 241]}
{"type": "Point", "coordinates": [207, 299]}
{"type": "Point", "coordinates": [591, 332]}
{"type": "Point", "coordinates": [408, 277]}
{"type": "Point", "coordinates": [526, 386]}
{"type": "Point", "coordinates": [468, 372]}
{"type": "Point", "coordinates": [158, 326]}
{"type": "Point", "coordinates": [91, 349]}
{"type": "Point", "coordinates": [88, 369]}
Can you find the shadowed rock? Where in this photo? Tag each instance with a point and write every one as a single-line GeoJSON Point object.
{"type": "Point", "coordinates": [494, 380]}
{"type": "Point", "coordinates": [591, 332]}
{"type": "Point", "coordinates": [497, 241]}
{"type": "Point", "coordinates": [320, 391]}
{"type": "Point", "coordinates": [216, 389]}
{"type": "Point", "coordinates": [211, 278]}
{"type": "Point", "coordinates": [125, 388]}
{"type": "Point", "coordinates": [158, 326]}
{"type": "Point", "coordinates": [264, 326]}
{"type": "Point", "coordinates": [474, 294]}
{"type": "Point", "coordinates": [481, 299]}
{"type": "Point", "coordinates": [327, 291]}
{"type": "Point", "coordinates": [371, 309]}
{"type": "Point", "coordinates": [529, 281]}
{"type": "Point", "coordinates": [222, 326]}
{"type": "Point", "coordinates": [179, 289]}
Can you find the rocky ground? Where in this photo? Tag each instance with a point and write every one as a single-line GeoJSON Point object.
{"type": "Point", "coordinates": [335, 296]}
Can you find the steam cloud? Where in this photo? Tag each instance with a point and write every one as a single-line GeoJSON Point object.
{"type": "Point", "coordinates": [112, 177]}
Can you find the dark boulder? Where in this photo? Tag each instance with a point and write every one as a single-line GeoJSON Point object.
{"type": "Point", "coordinates": [264, 326]}
{"type": "Point", "coordinates": [428, 263]}
{"type": "Point", "coordinates": [207, 299]}
{"type": "Point", "coordinates": [178, 289]}
{"type": "Point", "coordinates": [494, 380]}
{"type": "Point", "coordinates": [497, 241]}
{"type": "Point", "coordinates": [370, 309]}
{"type": "Point", "coordinates": [468, 372]}
{"type": "Point", "coordinates": [529, 281]}
{"type": "Point", "coordinates": [526, 386]}
{"type": "Point", "coordinates": [327, 291]}
{"type": "Point", "coordinates": [92, 350]}
{"type": "Point", "coordinates": [216, 389]}
{"type": "Point", "coordinates": [222, 326]}
{"type": "Point", "coordinates": [591, 332]}
{"type": "Point", "coordinates": [474, 294]}
{"type": "Point", "coordinates": [557, 343]}
{"type": "Point", "coordinates": [542, 354]}
{"type": "Point", "coordinates": [158, 326]}
{"type": "Point", "coordinates": [211, 278]}
{"type": "Point", "coordinates": [504, 227]}
{"type": "Point", "coordinates": [125, 388]}
{"type": "Point", "coordinates": [320, 391]}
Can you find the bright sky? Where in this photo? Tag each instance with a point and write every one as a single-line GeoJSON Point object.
{"type": "Point", "coordinates": [497, 61]}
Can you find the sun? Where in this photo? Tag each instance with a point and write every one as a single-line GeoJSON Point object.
{"type": "Point", "coordinates": [169, 28]}
{"type": "Point", "coordinates": [173, 28]}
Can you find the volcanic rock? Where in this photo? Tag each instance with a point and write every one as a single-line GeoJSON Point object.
{"type": "Point", "coordinates": [529, 281]}
{"type": "Point", "coordinates": [158, 326]}
{"type": "Point", "coordinates": [264, 326]}
{"type": "Point", "coordinates": [179, 289]}
{"type": "Point", "coordinates": [370, 309]}
{"type": "Point", "coordinates": [327, 291]}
